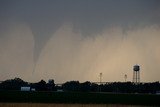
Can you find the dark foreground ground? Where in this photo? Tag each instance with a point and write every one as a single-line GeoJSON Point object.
{"type": "Point", "coordinates": [65, 105]}
{"type": "Point", "coordinates": [78, 98]}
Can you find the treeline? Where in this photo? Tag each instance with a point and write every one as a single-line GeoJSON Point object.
{"type": "Point", "coordinates": [76, 86]}
{"type": "Point", "coordinates": [116, 87]}
{"type": "Point", "coordinates": [16, 84]}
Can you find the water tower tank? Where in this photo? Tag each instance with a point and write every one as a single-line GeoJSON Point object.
{"type": "Point", "coordinates": [136, 67]}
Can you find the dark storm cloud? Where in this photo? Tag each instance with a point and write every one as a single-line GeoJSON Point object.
{"type": "Point", "coordinates": [87, 16]}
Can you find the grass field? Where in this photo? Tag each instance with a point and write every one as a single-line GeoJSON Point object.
{"type": "Point", "coordinates": [78, 98]}
{"type": "Point", "coordinates": [64, 105]}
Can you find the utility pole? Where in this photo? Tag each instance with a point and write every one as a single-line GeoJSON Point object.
{"type": "Point", "coordinates": [100, 75]}
{"type": "Point", "coordinates": [100, 81]}
{"type": "Point", "coordinates": [125, 77]}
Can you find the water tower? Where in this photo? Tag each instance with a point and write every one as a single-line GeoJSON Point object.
{"type": "Point", "coordinates": [136, 73]}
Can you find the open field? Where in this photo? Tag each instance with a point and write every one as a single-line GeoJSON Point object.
{"type": "Point", "coordinates": [63, 105]}
{"type": "Point", "coordinates": [78, 98]}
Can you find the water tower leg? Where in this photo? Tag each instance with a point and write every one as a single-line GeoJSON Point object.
{"type": "Point", "coordinates": [133, 77]}
{"type": "Point", "coordinates": [138, 76]}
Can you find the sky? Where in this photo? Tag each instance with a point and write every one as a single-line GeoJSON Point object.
{"type": "Point", "coordinates": [69, 40]}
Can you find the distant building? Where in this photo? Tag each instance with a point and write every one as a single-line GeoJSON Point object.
{"type": "Point", "coordinates": [158, 92]}
{"type": "Point", "coordinates": [60, 90]}
{"type": "Point", "coordinates": [33, 89]}
{"type": "Point", "coordinates": [25, 88]}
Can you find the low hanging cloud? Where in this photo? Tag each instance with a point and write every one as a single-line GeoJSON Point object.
{"type": "Point", "coordinates": [89, 17]}
{"type": "Point", "coordinates": [106, 36]}
{"type": "Point", "coordinates": [16, 50]}
{"type": "Point", "coordinates": [71, 56]}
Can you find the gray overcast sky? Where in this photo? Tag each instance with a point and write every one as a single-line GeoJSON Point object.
{"type": "Point", "coordinates": [29, 38]}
